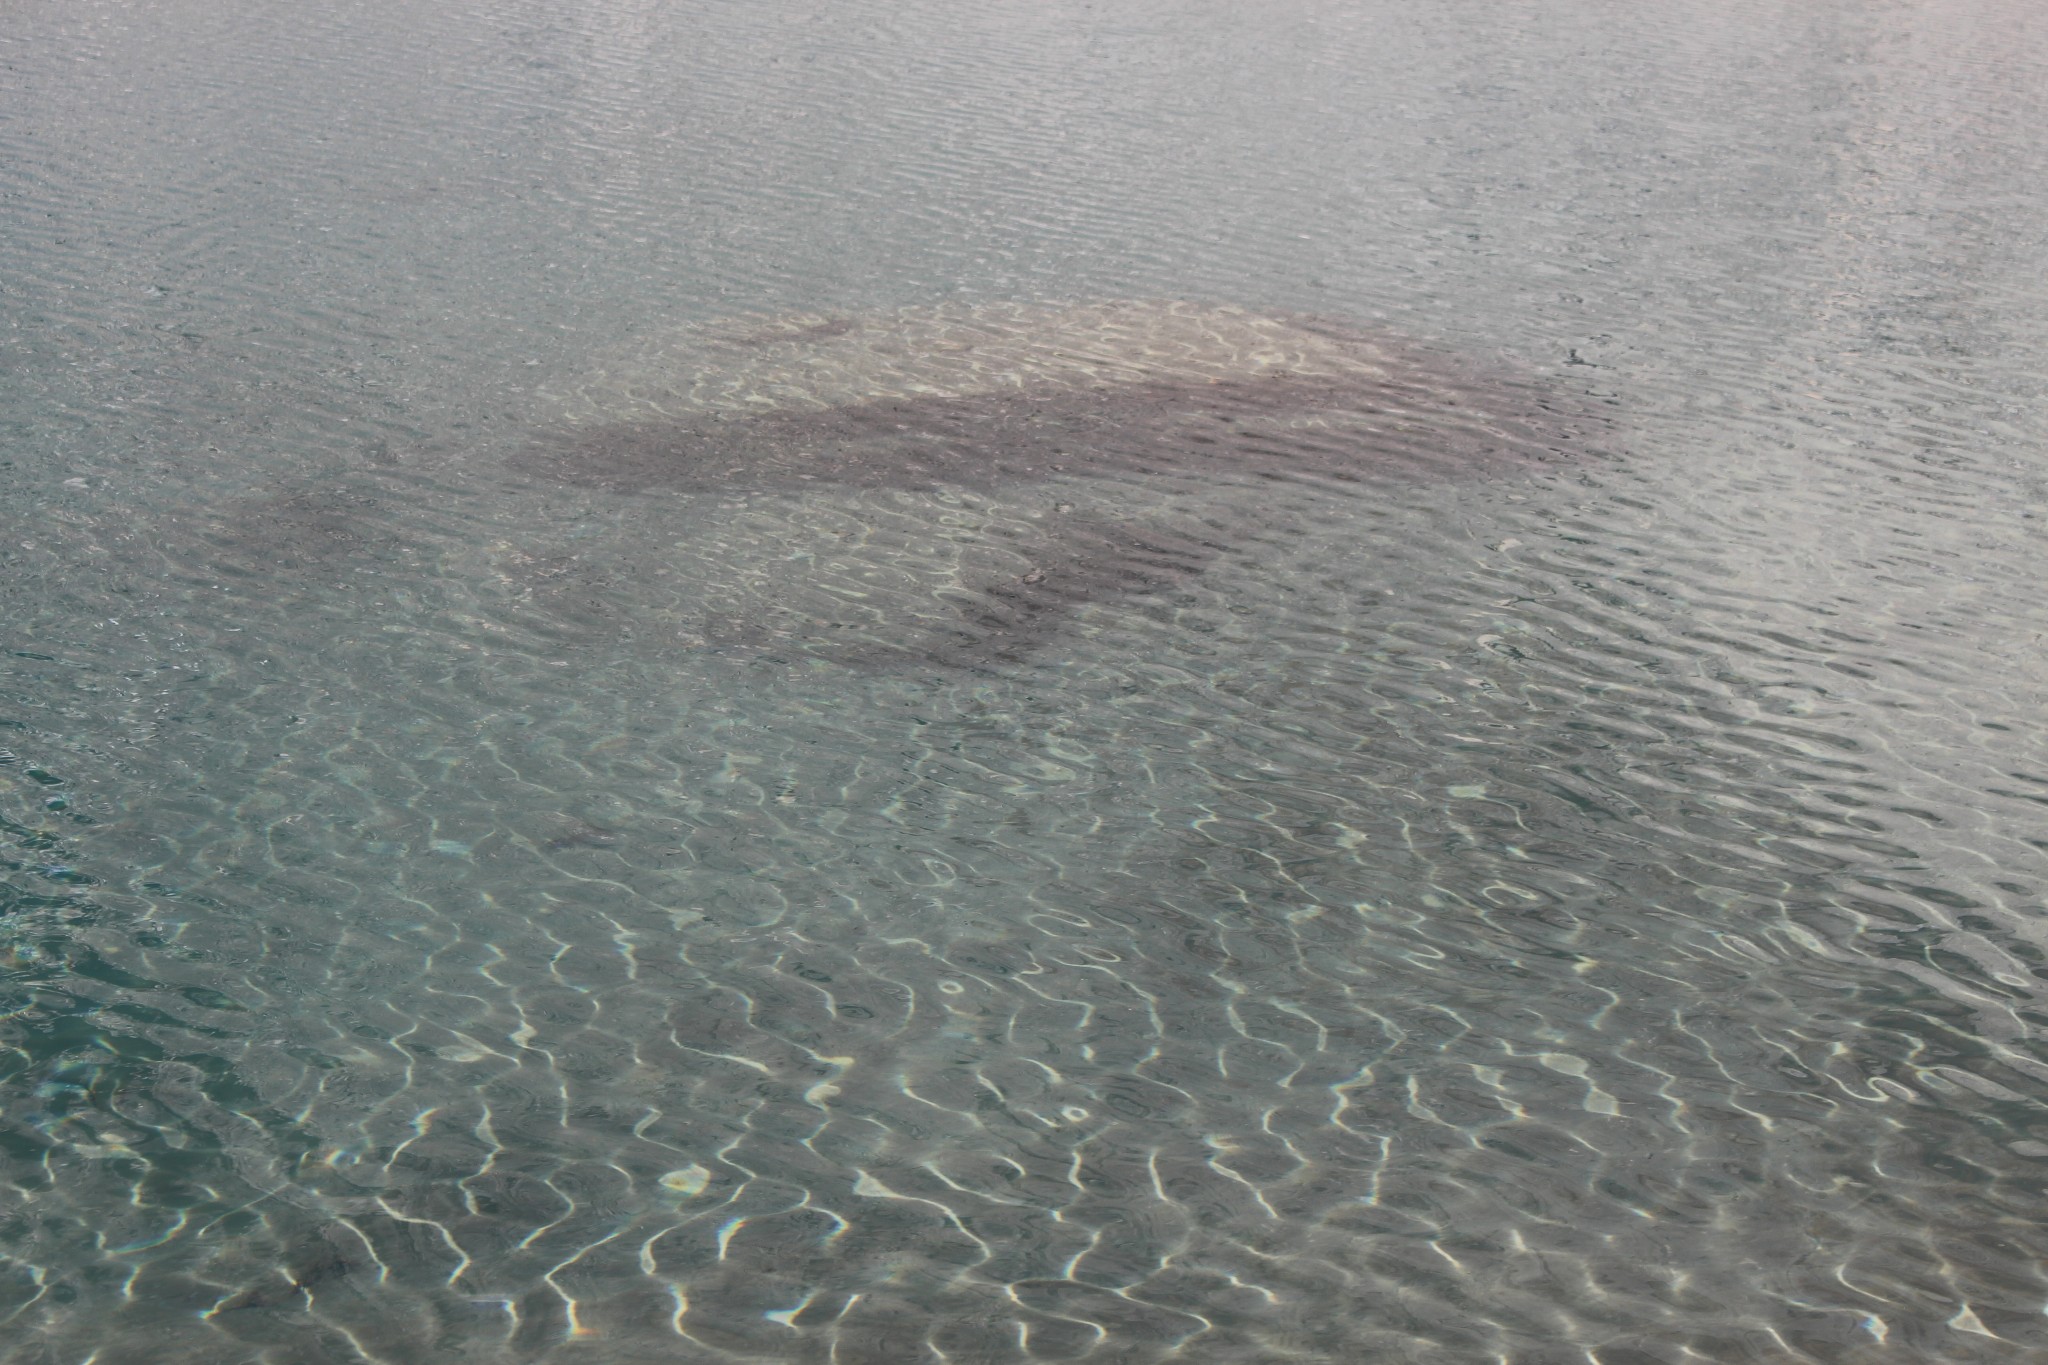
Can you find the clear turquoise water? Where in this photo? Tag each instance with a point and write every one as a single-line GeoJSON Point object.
{"type": "Point", "coordinates": [1576, 899]}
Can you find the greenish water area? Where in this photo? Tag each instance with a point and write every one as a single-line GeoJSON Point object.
{"type": "Point", "coordinates": [898, 683]}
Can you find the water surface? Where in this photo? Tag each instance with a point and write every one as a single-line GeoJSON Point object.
{"type": "Point", "coordinates": [929, 683]}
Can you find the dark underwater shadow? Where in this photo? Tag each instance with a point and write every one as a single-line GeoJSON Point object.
{"type": "Point", "coordinates": [1275, 428]}
{"type": "Point", "coordinates": [1181, 464]}
{"type": "Point", "coordinates": [993, 617]}
{"type": "Point", "coordinates": [1157, 476]}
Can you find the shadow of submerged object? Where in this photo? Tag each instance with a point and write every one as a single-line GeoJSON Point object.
{"type": "Point", "coordinates": [990, 618]}
{"type": "Point", "coordinates": [989, 398]}
{"type": "Point", "coordinates": [1175, 413]}
{"type": "Point", "coordinates": [1003, 620]}
{"type": "Point", "coordinates": [1274, 428]}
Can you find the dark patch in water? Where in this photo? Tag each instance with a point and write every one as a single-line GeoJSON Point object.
{"type": "Point", "coordinates": [582, 834]}
{"type": "Point", "coordinates": [297, 529]}
{"type": "Point", "coordinates": [1270, 428]}
{"type": "Point", "coordinates": [1386, 416]}
{"type": "Point", "coordinates": [1410, 421]}
{"type": "Point", "coordinates": [994, 617]}
{"type": "Point", "coordinates": [1004, 620]}
{"type": "Point", "coordinates": [565, 596]}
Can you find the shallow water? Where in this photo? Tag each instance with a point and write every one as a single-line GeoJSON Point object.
{"type": "Point", "coordinates": [1523, 844]}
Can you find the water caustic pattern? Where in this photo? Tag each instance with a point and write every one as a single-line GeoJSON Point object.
{"type": "Point", "coordinates": [1207, 961]}
{"type": "Point", "coordinates": [894, 1045]}
{"type": "Point", "coordinates": [916, 684]}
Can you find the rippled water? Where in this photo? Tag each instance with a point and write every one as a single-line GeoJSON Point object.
{"type": "Point", "coordinates": [911, 682]}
